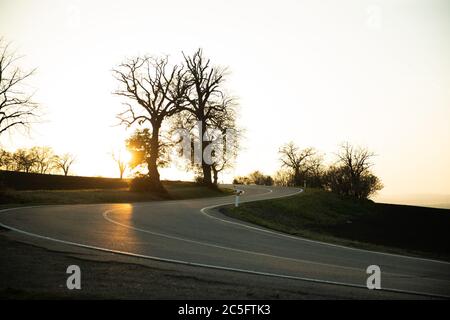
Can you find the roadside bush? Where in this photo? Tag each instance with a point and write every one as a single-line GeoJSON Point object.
{"type": "Point", "coordinates": [198, 179]}
{"type": "Point", "coordinates": [255, 177]}
{"type": "Point", "coordinates": [339, 180]}
{"type": "Point", "coordinates": [140, 184]}
{"type": "Point", "coordinates": [144, 184]}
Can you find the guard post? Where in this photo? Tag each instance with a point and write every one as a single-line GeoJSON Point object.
{"type": "Point", "coordinates": [237, 193]}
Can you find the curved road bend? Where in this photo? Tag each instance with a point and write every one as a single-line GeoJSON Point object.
{"type": "Point", "coordinates": [180, 231]}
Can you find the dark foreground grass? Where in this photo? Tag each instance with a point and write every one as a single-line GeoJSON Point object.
{"type": "Point", "coordinates": [177, 190]}
{"type": "Point", "coordinates": [323, 216]}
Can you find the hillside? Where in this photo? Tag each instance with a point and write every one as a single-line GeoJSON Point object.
{"type": "Point", "coordinates": [323, 216]}
{"type": "Point", "coordinates": [20, 188]}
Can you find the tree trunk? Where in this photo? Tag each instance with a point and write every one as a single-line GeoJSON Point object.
{"type": "Point", "coordinates": [206, 168]}
{"type": "Point", "coordinates": [297, 177]}
{"type": "Point", "coordinates": [215, 174]}
{"type": "Point", "coordinates": [153, 173]}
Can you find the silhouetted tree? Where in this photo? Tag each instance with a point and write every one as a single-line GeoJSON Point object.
{"type": "Point", "coordinates": [283, 178]}
{"type": "Point", "coordinates": [225, 144]}
{"type": "Point", "coordinates": [44, 159]}
{"type": "Point", "coordinates": [122, 163]}
{"type": "Point", "coordinates": [16, 106]}
{"type": "Point", "coordinates": [256, 177]}
{"type": "Point", "coordinates": [64, 162]}
{"type": "Point", "coordinates": [242, 180]}
{"type": "Point", "coordinates": [222, 135]}
{"type": "Point", "coordinates": [159, 92]}
{"type": "Point", "coordinates": [6, 160]}
{"type": "Point", "coordinates": [36, 159]}
{"type": "Point", "coordinates": [315, 173]}
{"type": "Point", "coordinates": [259, 178]}
{"type": "Point", "coordinates": [206, 99]}
{"type": "Point", "coordinates": [351, 175]}
{"type": "Point", "coordinates": [23, 160]}
{"type": "Point", "coordinates": [300, 162]}
{"type": "Point", "coordinates": [140, 144]}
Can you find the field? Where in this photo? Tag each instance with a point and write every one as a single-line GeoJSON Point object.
{"type": "Point", "coordinates": [36, 189]}
{"type": "Point", "coordinates": [35, 181]}
{"type": "Point", "coordinates": [323, 216]}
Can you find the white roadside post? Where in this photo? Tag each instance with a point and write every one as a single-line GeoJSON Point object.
{"type": "Point", "coordinates": [236, 199]}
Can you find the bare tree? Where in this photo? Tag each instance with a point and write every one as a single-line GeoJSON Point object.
{"type": "Point", "coordinates": [259, 178]}
{"type": "Point", "coordinates": [24, 160]}
{"type": "Point", "coordinates": [64, 162]}
{"type": "Point", "coordinates": [228, 138]}
{"type": "Point", "coordinates": [353, 173]}
{"type": "Point", "coordinates": [6, 160]}
{"type": "Point", "coordinates": [256, 177]}
{"type": "Point", "coordinates": [356, 159]}
{"type": "Point", "coordinates": [205, 97]}
{"type": "Point", "coordinates": [283, 178]}
{"type": "Point", "coordinates": [156, 92]}
{"type": "Point", "coordinates": [296, 160]}
{"type": "Point", "coordinates": [44, 159]}
{"type": "Point", "coordinates": [16, 106]}
{"type": "Point", "coordinates": [221, 133]}
{"type": "Point", "coordinates": [122, 163]}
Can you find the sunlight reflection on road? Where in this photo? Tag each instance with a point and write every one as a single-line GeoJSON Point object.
{"type": "Point", "coordinates": [123, 238]}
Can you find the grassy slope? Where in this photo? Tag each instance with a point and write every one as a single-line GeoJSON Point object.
{"type": "Point", "coordinates": [323, 216]}
{"type": "Point", "coordinates": [177, 190]}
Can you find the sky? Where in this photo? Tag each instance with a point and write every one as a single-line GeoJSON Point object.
{"type": "Point", "coordinates": [318, 73]}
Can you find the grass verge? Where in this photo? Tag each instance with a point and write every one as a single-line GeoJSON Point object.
{"type": "Point", "coordinates": [324, 216]}
{"type": "Point", "coordinates": [177, 190]}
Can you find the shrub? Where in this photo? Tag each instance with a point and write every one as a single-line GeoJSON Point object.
{"type": "Point", "coordinates": [144, 184]}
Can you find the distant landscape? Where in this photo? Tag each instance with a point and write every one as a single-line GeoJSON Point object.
{"type": "Point", "coordinates": [425, 200]}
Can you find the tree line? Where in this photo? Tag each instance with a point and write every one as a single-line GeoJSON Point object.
{"type": "Point", "coordinates": [36, 160]}
{"type": "Point", "coordinates": [350, 175]}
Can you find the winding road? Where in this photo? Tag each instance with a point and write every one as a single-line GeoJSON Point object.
{"type": "Point", "coordinates": [194, 232]}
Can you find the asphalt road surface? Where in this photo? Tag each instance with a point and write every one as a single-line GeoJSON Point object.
{"type": "Point", "coordinates": [193, 232]}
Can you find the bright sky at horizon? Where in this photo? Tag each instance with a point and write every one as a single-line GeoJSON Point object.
{"type": "Point", "coordinates": [319, 73]}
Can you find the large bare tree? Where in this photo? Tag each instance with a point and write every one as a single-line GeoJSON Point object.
{"type": "Point", "coordinates": [16, 105]}
{"type": "Point", "coordinates": [228, 138]}
{"type": "Point", "coordinates": [205, 97]}
{"type": "Point", "coordinates": [154, 91]}
{"type": "Point", "coordinates": [222, 135]}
